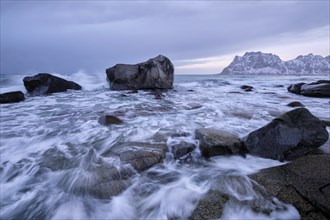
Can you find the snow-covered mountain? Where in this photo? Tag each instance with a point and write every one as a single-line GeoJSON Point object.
{"type": "Point", "coordinates": [270, 64]}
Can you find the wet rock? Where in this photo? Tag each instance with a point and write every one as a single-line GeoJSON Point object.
{"type": "Point", "coordinates": [54, 159]}
{"type": "Point", "coordinates": [45, 83]}
{"type": "Point", "coordinates": [213, 142]}
{"type": "Point", "coordinates": [247, 88]}
{"type": "Point", "coordinates": [193, 105]}
{"type": "Point", "coordinates": [210, 206]}
{"type": "Point", "coordinates": [295, 104]}
{"type": "Point", "coordinates": [156, 73]}
{"type": "Point", "coordinates": [278, 86]}
{"type": "Point", "coordinates": [305, 183]}
{"type": "Point", "coordinates": [138, 154]}
{"type": "Point", "coordinates": [319, 88]}
{"type": "Point", "coordinates": [157, 93]}
{"type": "Point", "coordinates": [141, 159]}
{"type": "Point", "coordinates": [10, 97]}
{"type": "Point", "coordinates": [181, 149]}
{"type": "Point", "coordinates": [288, 137]}
{"type": "Point", "coordinates": [110, 120]}
{"type": "Point", "coordinates": [326, 122]}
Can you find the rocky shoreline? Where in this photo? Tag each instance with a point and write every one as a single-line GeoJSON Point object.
{"type": "Point", "coordinates": [291, 136]}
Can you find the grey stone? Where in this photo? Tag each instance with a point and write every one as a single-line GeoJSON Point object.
{"type": "Point", "coordinates": [213, 142]}
{"type": "Point", "coordinates": [288, 137]}
{"type": "Point", "coordinates": [305, 183]}
{"type": "Point", "coordinates": [45, 83]}
{"type": "Point", "coordinates": [10, 97]}
{"type": "Point", "coordinates": [156, 73]}
{"type": "Point", "coordinates": [295, 104]}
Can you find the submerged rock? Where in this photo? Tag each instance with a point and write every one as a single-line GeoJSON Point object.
{"type": "Point", "coordinates": [288, 137]}
{"type": "Point", "coordinates": [181, 149]}
{"type": "Point", "coordinates": [295, 104]}
{"type": "Point", "coordinates": [304, 183]}
{"type": "Point", "coordinates": [54, 159]}
{"type": "Point", "coordinates": [156, 73]}
{"type": "Point", "coordinates": [319, 88]}
{"type": "Point", "coordinates": [110, 120]}
{"type": "Point", "coordinates": [45, 83]}
{"type": "Point", "coordinates": [213, 142]}
{"type": "Point", "coordinates": [247, 88]}
{"type": "Point", "coordinates": [10, 97]}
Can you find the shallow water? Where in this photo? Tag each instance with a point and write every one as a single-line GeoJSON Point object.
{"type": "Point", "coordinates": [65, 125]}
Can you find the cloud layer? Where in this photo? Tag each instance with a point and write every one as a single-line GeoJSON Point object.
{"type": "Point", "coordinates": [199, 37]}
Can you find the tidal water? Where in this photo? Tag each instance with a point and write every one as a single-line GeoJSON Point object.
{"type": "Point", "coordinates": [53, 147]}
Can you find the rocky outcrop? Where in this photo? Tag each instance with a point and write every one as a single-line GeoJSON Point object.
{"type": "Point", "coordinates": [295, 104]}
{"type": "Point", "coordinates": [304, 183]}
{"type": "Point", "coordinates": [288, 137]}
{"type": "Point", "coordinates": [45, 83]}
{"type": "Point", "coordinates": [213, 142]}
{"type": "Point", "coordinates": [270, 64]}
{"type": "Point", "coordinates": [319, 88]}
{"type": "Point", "coordinates": [156, 73]}
{"type": "Point", "coordinates": [10, 97]}
{"type": "Point", "coordinates": [110, 120]}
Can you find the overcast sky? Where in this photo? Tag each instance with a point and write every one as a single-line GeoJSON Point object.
{"type": "Point", "coordinates": [200, 37]}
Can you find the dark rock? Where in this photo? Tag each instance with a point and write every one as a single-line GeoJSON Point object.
{"type": "Point", "coordinates": [10, 97]}
{"type": "Point", "coordinates": [213, 142]}
{"type": "Point", "coordinates": [319, 88]}
{"type": "Point", "coordinates": [181, 149]}
{"type": "Point", "coordinates": [295, 88]}
{"type": "Point", "coordinates": [278, 86]}
{"type": "Point", "coordinates": [247, 88]}
{"type": "Point", "coordinates": [157, 93]}
{"type": "Point", "coordinates": [326, 122]}
{"type": "Point", "coordinates": [288, 137]}
{"type": "Point", "coordinates": [295, 104]}
{"type": "Point", "coordinates": [110, 120]}
{"type": "Point", "coordinates": [45, 83]}
{"type": "Point", "coordinates": [305, 183]}
{"type": "Point", "coordinates": [156, 73]}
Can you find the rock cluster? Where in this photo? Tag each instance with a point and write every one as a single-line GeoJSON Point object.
{"type": "Point", "coordinates": [319, 88]}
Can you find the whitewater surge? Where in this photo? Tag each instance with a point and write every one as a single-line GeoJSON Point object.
{"type": "Point", "coordinates": [65, 126]}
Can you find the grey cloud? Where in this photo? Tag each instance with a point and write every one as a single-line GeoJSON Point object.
{"type": "Point", "coordinates": [67, 36]}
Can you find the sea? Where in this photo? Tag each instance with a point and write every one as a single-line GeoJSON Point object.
{"type": "Point", "coordinates": [65, 125]}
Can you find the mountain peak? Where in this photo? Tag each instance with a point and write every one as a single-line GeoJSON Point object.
{"type": "Point", "coordinates": [270, 64]}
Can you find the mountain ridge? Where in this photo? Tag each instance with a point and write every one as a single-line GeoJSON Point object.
{"type": "Point", "coordinates": [258, 63]}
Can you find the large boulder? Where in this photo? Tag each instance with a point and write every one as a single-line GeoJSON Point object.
{"type": "Point", "coordinates": [156, 73]}
{"type": "Point", "coordinates": [45, 83]}
{"type": "Point", "coordinates": [288, 137]}
{"type": "Point", "coordinates": [214, 142]}
{"type": "Point", "coordinates": [10, 97]}
{"type": "Point", "coordinates": [304, 183]}
{"type": "Point", "coordinates": [319, 88]}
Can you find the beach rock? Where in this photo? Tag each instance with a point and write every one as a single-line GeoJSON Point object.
{"type": "Point", "coordinates": [156, 73]}
{"type": "Point", "coordinates": [45, 83]}
{"type": "Point", "coordinates": [181, 149]}
{"type": "Point", "coordinates": [110, 120]}
{"type": "Point", "coordinates": [304, 183]}
{"type": "Point", "coordinates": [139, 155]}
{"type": "Point", "coordinates": [54, 159]}
{"type": "Point", "coordinates": [295, 104]}
{"type": "Point", "coordinates": [10, 97]}
{"type": "Point", "coordinates": [192, 106]}
{"type": "Point", "coordinates": [288, 137]}
{"type": "Point", "coordinates": [319, 88]}
{"type": "Point", "coordinates": [247, 88]}
{"type": "Point", "coordinates": [213, 142]}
